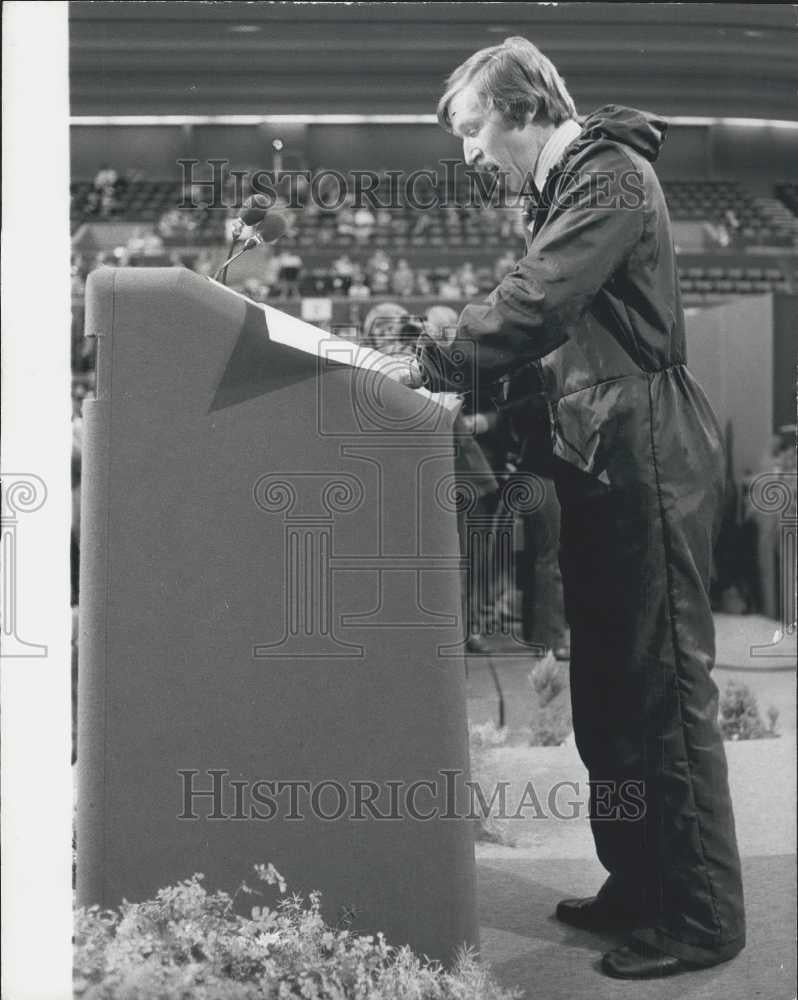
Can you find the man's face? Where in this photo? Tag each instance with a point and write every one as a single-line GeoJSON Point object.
{"type": "Point", "coordinates": [492, 144]}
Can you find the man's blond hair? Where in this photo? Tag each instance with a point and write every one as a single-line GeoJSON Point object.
{"type": "Point", "coordinates": [516, 79]}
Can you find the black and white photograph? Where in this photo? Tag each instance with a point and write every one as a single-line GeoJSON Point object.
{"type": "Point", "coordinates": [399, 531]}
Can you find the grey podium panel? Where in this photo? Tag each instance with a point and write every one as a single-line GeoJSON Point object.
{"type": "Point", "coordinates": [269, 594]}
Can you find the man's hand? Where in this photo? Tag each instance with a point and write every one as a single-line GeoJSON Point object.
{"type": "Point", "coordinates": [477, 423]}
{"type": "Point", "coordinates": [405, 370]}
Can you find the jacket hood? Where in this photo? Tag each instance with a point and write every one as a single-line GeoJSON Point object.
{"type": "Point", "coordinates": [640, 130]}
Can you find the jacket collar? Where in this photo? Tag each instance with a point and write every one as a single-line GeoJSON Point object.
{"type": "Point", "coordinates": [548, 160]}
{"type": "Point", "coordinates": [552, 152]}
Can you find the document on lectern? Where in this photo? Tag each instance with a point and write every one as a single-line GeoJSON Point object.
{"type": "Point", "coordinates": [302, 336]}
{"type": "Point", "coordinates": [293, 332]}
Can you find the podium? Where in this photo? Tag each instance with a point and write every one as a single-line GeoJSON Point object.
{"type": "Point", "coordinates": [269, 663]}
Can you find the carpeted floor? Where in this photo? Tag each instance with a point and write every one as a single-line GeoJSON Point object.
{"type": "Point", "coordinates": [551, 858]}
{"type": "Point", "coordinates": [528, 948]}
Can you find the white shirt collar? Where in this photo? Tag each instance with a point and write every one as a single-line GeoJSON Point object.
{"type": "Point", "coordinates": [551, 154]}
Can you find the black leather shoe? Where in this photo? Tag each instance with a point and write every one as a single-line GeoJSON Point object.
{"type": "Point", "coordinates": [640, 961]}
{"type": "Point", "coordinates": [593, 914]}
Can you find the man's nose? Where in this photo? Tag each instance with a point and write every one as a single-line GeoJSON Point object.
{"type": "Point", "coordinates": [471, 152]}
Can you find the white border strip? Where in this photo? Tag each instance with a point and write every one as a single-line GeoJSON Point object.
{"type": "Point", "coordinates": [36, 819]}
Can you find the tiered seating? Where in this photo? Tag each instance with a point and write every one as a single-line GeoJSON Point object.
{"type": "Point", "coordinates": [439, 241]}
{"type": "Point", "coordinates": [138, 201]}
{"type": "Point", "coordinates": [747, 219]}
{"type": "Point", "coordinates": [715, 280]}
{"type": "Point", "coordinates": [788, 194]}
{"type": "Point", "coordinates": [141, 201]}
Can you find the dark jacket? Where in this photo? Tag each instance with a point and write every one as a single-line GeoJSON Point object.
{"type": "Point", "coordinates": [593, 311]}
{"type": "Point", "coordinates": [596, 304]}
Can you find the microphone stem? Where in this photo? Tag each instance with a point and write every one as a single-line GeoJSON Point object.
{"type": "Point", "coordinates": [249, 245]}
{"type": "Point", "coordinates": [229, 255]}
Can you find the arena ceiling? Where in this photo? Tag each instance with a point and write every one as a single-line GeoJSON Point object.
{"type": "Point", "coordinates": [187, 58]}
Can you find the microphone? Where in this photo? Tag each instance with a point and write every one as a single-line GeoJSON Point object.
{"type": "Point", "coordinates": [273, 226]}
{"type": "Point", "coordinates": [255, 209]}
{"type": "Point", "coordinates": [252, 212]}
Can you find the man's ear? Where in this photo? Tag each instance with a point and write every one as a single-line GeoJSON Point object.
{"type": "Point", "coordinates": [531, 114]}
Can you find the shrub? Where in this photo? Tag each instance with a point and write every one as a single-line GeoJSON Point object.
{"type": "Point", "coordinates": [739, 717]}
{"type": "Point", "coordinates": [552, 723]}
{"type": "Point", "coordinates": [482, 738]}
{"type": "Point", "coordinates": [189, 944]}
{"type": "Point", "coordinates": [547, 677]}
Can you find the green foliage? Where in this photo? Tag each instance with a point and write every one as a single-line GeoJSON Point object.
{"type": "Point", "coordinates": [190, 944]}
{"type": "Point", "coordinates": [739, 717]}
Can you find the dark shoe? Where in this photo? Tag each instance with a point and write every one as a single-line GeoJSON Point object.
{"type": "Point", "coordinates": [640, 961]}
{"type": "Point", "coordinates": [593, 914]}
{"type": "Point", "coordinates": [476, 645]}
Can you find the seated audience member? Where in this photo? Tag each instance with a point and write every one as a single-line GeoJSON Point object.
{"type": "Point", "coordinates": [441, 320]}
{"type": "Point", "coordinates": [343, 266]}
{"type": "Point", "coordinates": [449, 289]}
{"type": "Point", "coordinates": [358, 289]}
{"type": "Point", "coordinates": [378, 262]}
{"type": "Point", "coordinates": [364, 223]}
{"type": "Point", "coordinates": [403, 279]}
{"type": "Point", "coordinates": [382, 325]}
{"type": "Point", "coordinates": [177, 225]}
{"type": "Point", "coordinates": [106, 177]}
{"type": "Point", "coordinates": [467, 279]}
{"type": "Point", "coordinates": [424, 283]}
{"type": "Point", "coordinates": [204, 263]}
{"type": "Point", "coordinates": [135, 243]}
{"type": "Point", "coordinates": [78, 285]}
{"type": "Point", "coordinates": [290, 267]}
{"type": "Point", "coordinates": [345, 220]}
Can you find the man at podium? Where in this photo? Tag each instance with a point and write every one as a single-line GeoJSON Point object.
{"type": "Point", "coordinates": [594, 307]}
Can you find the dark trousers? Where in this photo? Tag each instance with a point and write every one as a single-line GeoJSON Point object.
{"type": "Point", "coordinates": [538, 573]}
{"type": "Point", "coordinates": [636, 581]}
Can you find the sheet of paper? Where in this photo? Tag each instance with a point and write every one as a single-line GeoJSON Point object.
{"type": "Point", "coordinates": [286, 329]}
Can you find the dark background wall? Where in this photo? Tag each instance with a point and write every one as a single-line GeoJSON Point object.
{"type": "Point", "coordinates": [715, 59]}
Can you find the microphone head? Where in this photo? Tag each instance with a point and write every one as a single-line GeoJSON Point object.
{"type": "Point", "coordinates": [254, 209]}
{"type": "Point", "coordinates": [273, 227]}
